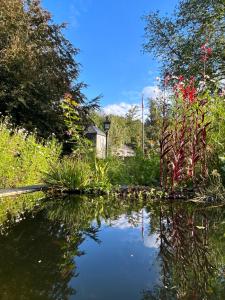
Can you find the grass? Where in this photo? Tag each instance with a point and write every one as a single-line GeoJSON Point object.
{"type": "Point", "coordinates": [137, 170]}
{"type": "Point", "coordinates": [69, 174]}
{"type": "Point", "coordinates": [23, 158]}
{"type": "Point", "coordinates": [101, 175]}
{"type": "Point", "coordinates": [73, 174]}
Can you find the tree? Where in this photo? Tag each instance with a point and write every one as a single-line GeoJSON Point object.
{"type": "Point", "coordinates": [134, 126]}
{"type": "Point", "coordinates": [177, 40]}
{"type": "Point", "coordinates": [123, 130]}
{"type": "Point", "coordinates": [37, 67]}
{"type": "Point", "coordinates": [152, 124]}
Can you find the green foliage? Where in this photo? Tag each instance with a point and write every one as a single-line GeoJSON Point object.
{"type": "Point", "coordinates": [23, 158]}
{"type": "Point", "coordinates": [72, 173]}
{"type": "Point", "coordinates": [134, 126]}
{"type": "Point", "coordinates": [137, 170]}
{"type": "Point", "coordinates": [213, 190]}
{"type": "Point", "coordinates": [118, 133]}
{"type": "Point", "coordinates": [152, 125]}
{"type": "Point", "coordinates": [69, 174]}
{"type": "Point", "coordinates": [76, 174]}
{"type": "Point", "coordinates": [123, 130]}
{"type": "Point", "coordinates": [71, 116]}
{"type": "Point", "coordinates": [217, 115]}
{"type": "Point", "coordinates": [177, 40]}
{"type": "Point", "coordinates": [13, 210]}
{"type": "Point", "coordinates": [37, 67]}
{"type": "Point", "coordinates": [117, 171]}
{"type": "Point", "coordinates": [100, 175]}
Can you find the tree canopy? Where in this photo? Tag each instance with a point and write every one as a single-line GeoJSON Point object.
{"type": "Point", "coordinates": [37, 67]}
{"type": "Point", "coordinates": [177, 40]}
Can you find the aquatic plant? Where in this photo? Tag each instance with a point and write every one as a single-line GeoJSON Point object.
{"type": "Point", "coordinates": [100, 176]}
{"type": "Point", "coordinates": [69, 174]}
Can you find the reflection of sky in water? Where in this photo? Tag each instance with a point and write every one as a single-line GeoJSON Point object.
{"type": "Point", "coordinates": [124, 263]}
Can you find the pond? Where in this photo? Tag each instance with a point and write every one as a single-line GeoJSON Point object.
{"type": "Point", "coordinates": [86, 248]}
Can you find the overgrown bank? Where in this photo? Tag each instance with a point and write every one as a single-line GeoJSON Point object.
{"type": "Point", "coordinates": [91, 174]}
{"type": "Point", "coordinates": [23, 158]}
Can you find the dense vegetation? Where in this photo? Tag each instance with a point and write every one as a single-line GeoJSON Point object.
{"type": "Point", "coordinates": [177, 39]}
{"type": "Point", "coordinates": [23, 159]}
{"type": "Point", "coordinates": [37, 67]}
{"type": "Point", "coordinates": [102, 175]}
{"type": "Point", "coordinates": [40, 92]}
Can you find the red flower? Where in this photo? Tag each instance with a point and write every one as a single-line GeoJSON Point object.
{"type": "Point", "coordinates": [188, 90]}
{"type": "Point", "coordinates": [206, 52]}
{"type": "Point", "coordinates": [181, 78]}
{"type": "Point", "coordinates": [203, 47]}
{"type": "Point", "coordinates": [209, 51]}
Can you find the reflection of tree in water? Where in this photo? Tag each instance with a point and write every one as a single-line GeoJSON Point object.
{"type": "Point", "coordinates": [37, 261]}
{"type": "Point", "coordinates": [37, 254]}
{"type": "Point", "coordinates": [189, 258]}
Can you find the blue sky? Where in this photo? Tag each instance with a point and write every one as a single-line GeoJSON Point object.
{"type": "Point", "coordinates": [109, 34]}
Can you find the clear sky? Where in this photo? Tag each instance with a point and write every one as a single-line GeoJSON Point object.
{"type": "Point", "coordinates": [109, 34]}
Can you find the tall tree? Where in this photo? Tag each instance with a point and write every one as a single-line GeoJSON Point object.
{"type": "Point", "coordinates": [177, 40]}
{"type": "Point", "coordinates": [134, 126]}
{"type": "Point", "coordinates": [152, 124]}
{"type": "Point", "coordinates": [37, 67]}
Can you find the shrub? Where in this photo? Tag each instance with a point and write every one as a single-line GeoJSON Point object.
{"type": "Point", "coordinates": [100, 175]}
{"type": "Point", "coordinates": [137, 170]}
{"type": "Point", "coordinates": [144, 170]}
{"type": "Point", "coordinates": [117, 171]}
{"type": "Point", "coordinates": [69, 174]}
{"type": "Point", "coordinates": [23, 158]}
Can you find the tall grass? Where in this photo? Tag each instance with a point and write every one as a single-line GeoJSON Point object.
{"type": "Point", "coordinates": [69, 174]}
{"type": "Point", "coordinates": [72, 173]}
{"type": "Point", "coordinates": [22, 158]}
{"type": "Point", "coordinates": [137, 170]}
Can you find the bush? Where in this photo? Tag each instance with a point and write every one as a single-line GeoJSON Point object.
{"type": "Point", "coordinates": [137, 170]}
{"type": "Point", "coordinates": [72, 173]}
{"type": "Point", "coordinates": [100, 175]}
{"type": "Point", "coordinates": [23, 158]}
{"type": "Point", "coordinates": [69, 174]}
{"type": "Point", "coordinates": [117, 171]}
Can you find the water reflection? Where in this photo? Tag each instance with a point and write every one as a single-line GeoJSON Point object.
{"type": "Point", "coordinates": [191, 254]}
{"type": "Point", "coordinates": [82, 248]}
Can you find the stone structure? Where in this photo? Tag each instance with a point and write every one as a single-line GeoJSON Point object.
{"type": "Point", "coordinates": [98, 138]}
{"type": "Point", "coordinates": [124, 151]}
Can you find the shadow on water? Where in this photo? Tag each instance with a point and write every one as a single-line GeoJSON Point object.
{"type": "Point", "coordinates": [83, 248]}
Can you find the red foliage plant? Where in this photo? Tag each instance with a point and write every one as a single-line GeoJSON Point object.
{"type": "Point", "coordinates": [183, 136]}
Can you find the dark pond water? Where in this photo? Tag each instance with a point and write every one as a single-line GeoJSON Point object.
{"type": "Point", "coordinates": [105, 249]}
